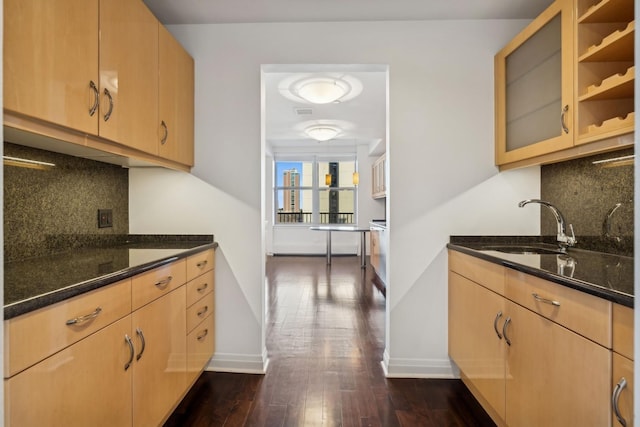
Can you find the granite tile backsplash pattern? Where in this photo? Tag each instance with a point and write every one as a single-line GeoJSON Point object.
{"type": "Point", "coordinates": [56, 209]}
{"type": "Point", "coordinates": [587, 194]}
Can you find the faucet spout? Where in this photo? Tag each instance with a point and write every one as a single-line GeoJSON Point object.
{"type": "Point", "coordinates": [563, 239]}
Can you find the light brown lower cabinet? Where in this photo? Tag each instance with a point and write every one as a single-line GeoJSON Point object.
{"type": "Point", "coordinates": [131, 371]}
{"type": "Point", "coordinates": [477, 349]}
{"type": "Point", "coordinates": [524, 367]}
{"type": "Point", "coordinates": [159, 368]}
{"type": "Point", "coordinates": [622, 394]}
{"type": "Point", "coordinates": [622, 371]}
{"type": "Point", "coordinates": [86, 384]}
{"type": "Point", "coordinates": [554, 376]}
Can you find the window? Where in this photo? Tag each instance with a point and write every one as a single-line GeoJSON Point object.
{"type": "Point", "coordinates": [315, 191]}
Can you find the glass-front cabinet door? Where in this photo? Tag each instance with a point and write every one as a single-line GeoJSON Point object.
{"type": "Point", "coordinates": [534, 77]}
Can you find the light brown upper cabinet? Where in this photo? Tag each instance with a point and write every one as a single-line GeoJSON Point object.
{"type": "Point", "coordinates": [129, 74]}
{"type": "Point", "coordinates": [534, 92]}
{"type": "Point", "coordinates": [378, 175]}
{"type": "Point", "coordinates": [90, 72]}
{"type": "Point", "coordinates": [605, 69]}
{"type": "Point", "coordinates": [176, 72]}
{"type": "Point", "coordinates": [50, 62]}
{"type": "Point", "coordinates": [565, 84]}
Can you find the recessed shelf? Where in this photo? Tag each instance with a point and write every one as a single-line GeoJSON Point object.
{"type": "Point", "coordinates": [614, 87]}
{"type": "Point", "coordinates": [617, 46]}
{"type": "Point", "coordinates": [609, 11]}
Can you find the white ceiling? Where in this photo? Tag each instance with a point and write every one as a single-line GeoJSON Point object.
{"type": "Point", "coordinates": [362, 118]}
{"type": "Point", "coordinates": [234, 11]}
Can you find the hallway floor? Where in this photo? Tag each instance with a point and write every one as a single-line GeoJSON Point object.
{"type": "Point", "coordinates": [325, 339]}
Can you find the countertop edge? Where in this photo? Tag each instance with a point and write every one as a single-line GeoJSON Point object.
{"type": "Point", "coordinates": [579, 285]}
{"type": "Point", "coordinates": [25, 306]}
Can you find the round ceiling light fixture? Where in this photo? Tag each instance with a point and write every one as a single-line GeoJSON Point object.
{"type": "Point", "coordinates": [321, 90]}
{"type": "Point", "coordinates": [322, 132]}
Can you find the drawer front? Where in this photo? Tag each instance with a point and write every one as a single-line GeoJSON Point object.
{"type": "Point", "coordinates": [582, 313]}
{"type": "Point", "coordinates": [153, 284]}
{"type": "Point", "coordinates": [199, 287]}
{"type": "Point", "coordinates": [200, 263]}
{"type": "Point", "coordinates": [200, 310]}
{"type": "Point", "coordinates": [34, 336]}
{"type": "Point", "coordinates": [623, 330]}
{"type": "Point", "coordinates": [200, 347]}
{"type": "Point", "coordinates": [485, 273]}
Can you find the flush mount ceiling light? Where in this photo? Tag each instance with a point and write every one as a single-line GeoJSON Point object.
{"type": "Point", "coordinates": [321, 90]}
{"type": "Point", "coordinates": [322, 132]}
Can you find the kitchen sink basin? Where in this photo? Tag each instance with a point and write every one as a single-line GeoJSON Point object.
{"type": "Point", "coordinates": [523, 250]}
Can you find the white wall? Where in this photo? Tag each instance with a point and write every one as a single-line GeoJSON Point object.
{"type": "Point", "coordinates": [440, 157]}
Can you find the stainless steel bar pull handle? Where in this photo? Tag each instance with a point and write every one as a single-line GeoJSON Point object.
{"type": "Point", "coordinates": [81, 319]}
{"type": "Point", "coordinates": [201, 264]}
{"type": "Point", "coordinates": [202, 335]}
{"type": "Point", "coordinates": [110, 98]}
{"type": "Point", "coordinates": [166, 133]}
{"type": "Point", "coordinates": [96, 98]}
{"type": "Point", "coordinates": [562, 119]}
{"type": "Point", "coordinates": [144, 344]}
{"type": "Point", "coordinates": [203, 287]}
{"type": "Point", "coordinates": [615, 399]}
{"type": "Point", "coordinates": [545, 300]}
{"type": "Point", "coordinates": [131, 351]}
{"type": "Point", "coordinates": [495, 324]}
{"type": "Point", "coordinates": [164, 282]}
{"type": "Point", "coordinates": [203, 311]}
{"type": "Point", "coordinates": [504, 331]}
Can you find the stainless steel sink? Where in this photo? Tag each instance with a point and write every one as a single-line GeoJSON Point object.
{"type": "Point", "coordinates": [523, 249]}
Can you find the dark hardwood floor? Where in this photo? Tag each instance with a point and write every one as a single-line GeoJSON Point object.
{"type": "Point", "coordinates": [325, 338]}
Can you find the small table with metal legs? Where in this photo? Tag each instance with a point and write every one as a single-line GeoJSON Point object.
{"type": "Point", "coordinates": [351, 228]}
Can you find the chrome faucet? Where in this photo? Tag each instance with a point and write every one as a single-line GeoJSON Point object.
{"type": "Point", "coordinates": [606, 224]}
{"type": "Point", "coordinates": [563, 240]}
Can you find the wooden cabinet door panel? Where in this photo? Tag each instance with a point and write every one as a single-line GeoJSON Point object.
{"type": "Point", "coordinates": [554, 377]}
{"type": "Point", "coordinates": [50, 56]}
{"type": "Point", "coordinates": [473, 343]}
{"type": "Point", "coordinates": [623, 368]}
{"type": "Point", "coordinates": [83, 385]}
{"type": "Point", "coordinates": [176, 98]}
{"type": "Point", "coordinates": [534, 87]}
{"type": "Point", "coordinates": [129, 72]}
{"type": "Point", "coordinates": [159, 378]}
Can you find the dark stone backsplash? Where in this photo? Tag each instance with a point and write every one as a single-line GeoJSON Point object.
{"type": "Point", "coordinates": [53, 210]}
{"type": "Point", "coordinates": [586, 193]}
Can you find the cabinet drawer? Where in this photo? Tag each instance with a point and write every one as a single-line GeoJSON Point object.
{"type": "Point", "coordinates": [623, 330]}
{"type": "Point", "coordinates": [199, 287]}
{"type": "Point", "coordinates": [582, 313]}
{"type": "Point", "coordinates": [200, 310]}
{"type": "Point", "coordinates": [487, 274]}
{"type": "Point", "coordinates": [200, 263]}
{"type": "Point", "coordinates": [153, 284]}
{"type": "Point", "coordinates": [200, 346]}
{"type": "Point", "coordinates": [33, 336]}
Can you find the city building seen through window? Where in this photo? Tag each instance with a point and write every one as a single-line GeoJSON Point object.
{"type": "Point", "coordinates": [317, 191]}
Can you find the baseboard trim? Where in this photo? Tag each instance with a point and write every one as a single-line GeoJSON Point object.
{"type": "Point", "coordinates": [239, 363]}
{"type": "Point", "coordinates": [417, 368]}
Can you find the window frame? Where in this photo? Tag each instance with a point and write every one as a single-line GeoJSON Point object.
{"type": "Point", "coordinates": [317, 187]}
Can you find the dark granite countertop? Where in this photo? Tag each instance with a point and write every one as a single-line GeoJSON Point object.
{"type": "Point", "coordinates": [604, 275]}
{"type": "Point", "coordinates": [38, 282]}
